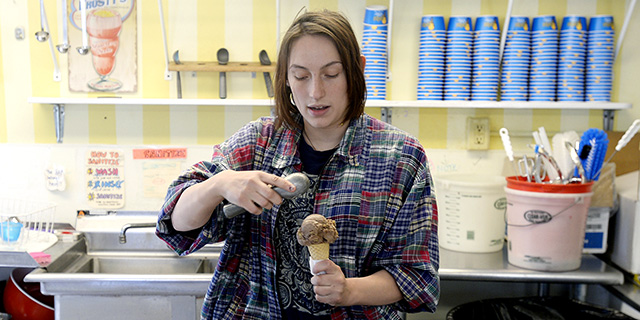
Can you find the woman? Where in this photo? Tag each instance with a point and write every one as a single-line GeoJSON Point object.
{"type": "Point", "coordinates": [369, 177]}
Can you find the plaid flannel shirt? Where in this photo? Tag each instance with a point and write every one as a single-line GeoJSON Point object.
{"type": "Point", "coordinates": [377, 188]}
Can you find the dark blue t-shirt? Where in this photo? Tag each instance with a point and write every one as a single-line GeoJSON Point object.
{"type": "Point", "coordinates": [295, 291]}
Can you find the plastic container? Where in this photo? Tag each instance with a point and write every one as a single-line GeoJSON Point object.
{"type": "Point", "coordinates": [546, 224]}
{"type": "Point", "coordinates": [10, 229]}
{"type": "Point", "coordinates": [471, 212]}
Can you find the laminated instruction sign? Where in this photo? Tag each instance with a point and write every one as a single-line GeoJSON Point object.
{"type": "Point", "coordinates": [105, 179]}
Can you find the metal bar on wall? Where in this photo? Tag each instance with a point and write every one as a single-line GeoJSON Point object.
{"type": "Point", "coordinates": [167, 74]}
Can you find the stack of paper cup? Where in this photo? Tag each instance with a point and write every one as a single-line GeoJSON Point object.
{"type": "Point", "coordinates": [600, 51]}
{"type": "Point", "coordinates": [514, 81]}
{"type": "Point", "coordinates": [459, 50]}
{"type": "Point", "coordinates": [571, 65]}
{"type": "Point", "coordinates": [544, 59]}
{"type": "Point", "coordinates": [486, 65]}
{"type": "Point", "coordinates": [433, 37]}
{"type": "Point", "coordinates": [374, 48]}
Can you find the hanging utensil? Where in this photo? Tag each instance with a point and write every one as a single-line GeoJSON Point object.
{"type": "Point", "coordinates": [64, 47]}
{"type": "Point", "coordinates": [265, 61]}
{"type": "Point", "coordinates": [223, 59]}
{"type": "Point", "coordinates": [508, 148]}
{"type": "Point", "coordinates": [176, 59]}
{"type": "Point", "coordinates": [85, 38]}
{"type": "Point", "coordinates": [42, 35]}
{"type": "Point", "coordinates": [45, 27]}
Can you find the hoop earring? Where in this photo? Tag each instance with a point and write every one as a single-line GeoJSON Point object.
{"type": "Point", "coordinates": [291, 99]}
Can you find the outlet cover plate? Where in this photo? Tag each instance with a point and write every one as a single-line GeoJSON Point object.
{"type": "Point", "coordinates": [477, 133]}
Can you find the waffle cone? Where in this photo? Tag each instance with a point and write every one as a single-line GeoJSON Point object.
{"type": "Point", "coordinates": [319, 251]}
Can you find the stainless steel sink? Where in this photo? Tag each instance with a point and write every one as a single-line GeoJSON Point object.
{"type": "Point", "coordinates": [141, 265]}
{"type": "Point", "coordinates": [118, 279]}
{"type": "Point", "coordinates": [101, 265]}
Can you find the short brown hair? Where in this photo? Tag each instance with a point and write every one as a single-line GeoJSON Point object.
{"type": "Point", "coordinates": [336, 27]}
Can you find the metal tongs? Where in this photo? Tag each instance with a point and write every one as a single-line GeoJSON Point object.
{"type": "Point", "coordinates": [575, 158]}
{"type": "Point", "coordinates": [541, 153]}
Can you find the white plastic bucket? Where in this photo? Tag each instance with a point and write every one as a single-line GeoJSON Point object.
{"type": "Point", "coordinates": [470, 212]}
{"type": "Point", "coordinates": [545, 230]}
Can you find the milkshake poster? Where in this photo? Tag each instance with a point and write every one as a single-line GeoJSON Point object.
{"type": "Point", "coordinates": [105, 179]}
{"type": "Point", "coordinates": [103, 37]}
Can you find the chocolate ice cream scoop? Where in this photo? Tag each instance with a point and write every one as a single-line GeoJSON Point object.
{"type": "Point", "coordinates": [317, 229]}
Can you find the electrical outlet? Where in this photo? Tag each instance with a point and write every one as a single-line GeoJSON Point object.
{"type": "Point", "coordinates": [477, 133]}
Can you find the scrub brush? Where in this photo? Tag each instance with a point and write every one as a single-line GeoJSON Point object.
{"type": "Point", "coordinates": [598, 141]}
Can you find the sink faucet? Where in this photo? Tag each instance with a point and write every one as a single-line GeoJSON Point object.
{"type": "Point", "coordinates": [123, 231]}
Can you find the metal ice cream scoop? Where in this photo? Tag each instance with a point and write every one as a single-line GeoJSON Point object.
{"type": "Point", "coordinates": [300, 180]}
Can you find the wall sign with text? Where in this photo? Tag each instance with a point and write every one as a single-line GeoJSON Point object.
{"type": "Point", "coordinates": [105, 179]}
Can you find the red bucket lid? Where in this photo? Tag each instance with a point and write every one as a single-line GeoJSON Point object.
{"type": "Point", "coordinates": [521, 183]}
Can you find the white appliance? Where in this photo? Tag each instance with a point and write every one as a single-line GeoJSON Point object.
{"type": "Point", "coordinates": [626, 246]}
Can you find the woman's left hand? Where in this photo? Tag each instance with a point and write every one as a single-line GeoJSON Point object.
{"type": "Point", "coordinates": [330, 287]}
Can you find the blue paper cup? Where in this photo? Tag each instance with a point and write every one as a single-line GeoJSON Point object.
{"type": "Point", "coordinates": [459, 23]}
{"type": "Point", "coordinates": [601, 36]}
{"type": "Point", "coordinates": [544, 23]}
{"type": "Point", "coordinates": [430, 84]}
{"type": "Point", "coordinates": [537, 42]}
{"type": "Point", "coordinates": [375, 33]}
{"type": "Point", "coordinates": [431, 69]}
{"type": "Point", "coordinates": [433, 40]}
{"type": "Point", "coordinates": [434, 97]}
{"type": "Point", "coordinates": [425, 32]}
{"type": "Point", "coordinates": [606, 79]}
{"type": "Point", "coordinates": [480, 77]}
{"type": "Point", "coordinates": [374, 42]}
{"type": "Point", "coordinates": [431, 62]}
{"type": "Point", "coordinates": [487, 23]}
{"type": "Point", "coordinates": [376, 27]}
{"type": "Point", "coordinates": [601, 23]}
{"type": "Point", "coordinates": [375, 14]}
{"type": "Point", "coordinates": [430, 76]}
{"type": "Point", "coordinates": [433, 44]}
{"type": "Point", "coordinates": [574, 22]}
{"type": "Point", "coordinates": [519, 23]}
{"type": "Point", "coordinates": [432, 22]}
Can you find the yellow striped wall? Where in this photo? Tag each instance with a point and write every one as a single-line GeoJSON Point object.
{"type": "Point", "coordinates": [199, 27]}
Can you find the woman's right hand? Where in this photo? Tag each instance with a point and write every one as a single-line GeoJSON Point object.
{"type": "Point", "coordinates": [251, 190]}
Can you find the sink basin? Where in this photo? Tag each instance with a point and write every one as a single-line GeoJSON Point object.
{"type": "Point", "coordinates": [141, 265]}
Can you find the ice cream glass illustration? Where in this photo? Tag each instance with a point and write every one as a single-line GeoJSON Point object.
{"type": "Point", "coordinates": [103, 27]}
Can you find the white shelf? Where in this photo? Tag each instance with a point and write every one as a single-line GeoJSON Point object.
{"type": "Point", "coordinates": [159, 102]}
{"type": "Point", "coordinates": [59, 105]}
{"type": "Point", "coordinates": [370, 103]}
{"type": "Point", "coordinates": [498, 105]}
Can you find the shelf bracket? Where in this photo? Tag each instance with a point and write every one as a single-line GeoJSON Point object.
{"type": "Point", "coordinates": [58, 119]}
{"type": "Point", "coordinates": [607, 119]}
{"type": "Point", "coordinates": [385, 114]}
